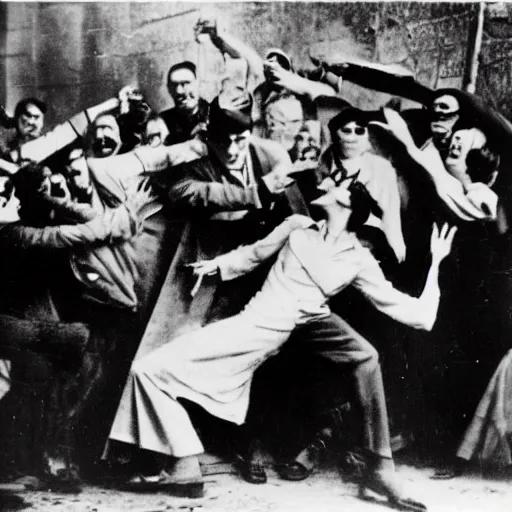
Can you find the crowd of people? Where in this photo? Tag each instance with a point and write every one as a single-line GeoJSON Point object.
{"type": "Point", "coordinates": [184, 278]}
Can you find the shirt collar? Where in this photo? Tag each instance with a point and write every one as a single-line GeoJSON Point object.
{"type": "Point", "coordinates": [347, 241]}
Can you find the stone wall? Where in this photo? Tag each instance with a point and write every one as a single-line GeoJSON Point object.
{"type": "Point", "coordinates": [76, 54]}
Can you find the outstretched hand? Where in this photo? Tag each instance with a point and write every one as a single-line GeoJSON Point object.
{"type": "Point", "coordinates": [204, 268]}
{"type": "Point", "coordinates": [396, 126]}
{"type": "Point", "coordinates": [441, 242]}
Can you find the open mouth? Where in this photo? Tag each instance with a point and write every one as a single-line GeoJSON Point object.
{"type": "Point", "coordinates": [455, 152]}
{"type": "Point", "coordinates": [104, 146]}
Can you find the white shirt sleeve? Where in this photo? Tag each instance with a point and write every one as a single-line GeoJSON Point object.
{"type": "Point", "coordinates": [372, 283]}
{"type": "Point", "coordinates": [246, 258]}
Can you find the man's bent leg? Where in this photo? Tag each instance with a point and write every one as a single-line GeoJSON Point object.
{"type": "Point", "coordinates": [334, 339]}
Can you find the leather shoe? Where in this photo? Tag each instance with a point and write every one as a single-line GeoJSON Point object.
{"type": "Point", "coordinates": [252, 472]}
{"type": "Point", "coordinates": [162, 482]}
{"type": "Point", "coordinates": [293, 471]}
{"type": "Point", "coordinates": [305, 463]}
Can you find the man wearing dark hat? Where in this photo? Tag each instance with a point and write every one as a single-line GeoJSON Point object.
{"type": "Point", "coordinates": [230, 197]}
{"type": "Point", "coordinates": [190, 112]}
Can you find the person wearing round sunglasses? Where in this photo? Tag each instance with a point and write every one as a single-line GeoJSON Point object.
{"type": "Point", "coordinates": [350, 157]}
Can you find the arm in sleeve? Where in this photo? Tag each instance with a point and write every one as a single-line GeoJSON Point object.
{"type": "Point", "coordinates": [303, 86]}
{"type": "Point", "coordinates": [77, 213]}
{"type": "Point", "coordinates": [229, 44]}
{"type": "Point", "coordinates": [449, 189]}
{"type": "Point", "coordinates": [146, 160]}
{"type": "Point", "coordinates": [246, 258]}
{"type": "Point", "coordinates": [389, 200]}
{"type": "Point", "coordinates": [213, 196]}
{"type": "Point", "coordinates": [419, 313]}
{"type": "Point", "coordinates": [64, 134]}
{"type": "Point", "coordinates": [383, 78]}
{"type": "Point", "coordinates": [114, 225]}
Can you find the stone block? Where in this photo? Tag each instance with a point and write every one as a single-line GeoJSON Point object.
{"type": "Point", "coordinates": [20, 71]}
{"type": "Point", "coordinates": [59, 57]}
{"type": "Point", "coordinates": [21, 15]}
{"type": "Point", "coordinates": [19, 41]}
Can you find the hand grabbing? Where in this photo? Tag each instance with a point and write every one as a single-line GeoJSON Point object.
{"type": "Point", "coordinates": [395, 125]}
{"type": "Point", "coordinates": [204, 268]}
{"type": "Point", "coordinates": [205, 26]}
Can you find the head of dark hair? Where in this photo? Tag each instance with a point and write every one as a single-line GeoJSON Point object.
{"type": "Point", "coordinates": [186, 64]}
{"type": "Point", "coordinates": [34, 210]}
{"type": "Point", "coordinates": [229, 115]}
{"type": "Point", "coordinates": [22, 105]}
{"type": "Point", "coordinates": [132, 124]}
{"type": "Point", "coordinates": [347, 115]}
{"type": "Point", "coordinates": [482, 165]}
{"type": "Point", "coordinates": [362, 205]}
{"type": "Point", "coordinates": [8, 189]}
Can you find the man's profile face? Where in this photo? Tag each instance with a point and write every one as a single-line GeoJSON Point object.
{"type": "Point", "coordinates": [445, 113]}
{"type": "Point", "coordinates": [106, 139]}
{"type": "Point", "coordinates": [232, 149]}
{"type": "Point", "coordinates": [30, 122]}
{"type": "Point", "coordinates": [184, 89]}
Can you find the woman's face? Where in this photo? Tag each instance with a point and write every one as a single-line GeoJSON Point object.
{"type": "Point", "coordinates": [461, 143]}
{"type": "Point", "coordinates": [352, 139]}
{"type": "Point", "coordinates": [332, 195]}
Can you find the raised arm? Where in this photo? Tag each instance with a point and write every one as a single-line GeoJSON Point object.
{"type": "Point", "coordinates": [392, 79]}
{"type": "Point", "coordinates": [449, 189]}
{"type": "Point", "coordinates": [230, 45]}
{"type": "Point", "coordinates": [385, 191]}
{"type": "Point", "coordinates": [298, 84]}
{"type": "Point", "coordinates": [420, 312]}
{"type": "Point", "coordinates": [112, 226]}
{"type": "Point", "coordinates": [64, 134]}
{"type": "Point", "coordinates": [246, 258]}
{"type": "Point", "coordinates": [145, 160]}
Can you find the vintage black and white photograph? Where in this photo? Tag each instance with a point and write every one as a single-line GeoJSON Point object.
{"type": "Point", "coordinates": [255, 256]}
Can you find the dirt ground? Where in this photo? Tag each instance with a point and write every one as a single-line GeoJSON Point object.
{"type": "Point", "coordinates": [323, 492]}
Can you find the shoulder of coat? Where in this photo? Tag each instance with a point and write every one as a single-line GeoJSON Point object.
{"type": "Point", "coordinates": [267, 145]}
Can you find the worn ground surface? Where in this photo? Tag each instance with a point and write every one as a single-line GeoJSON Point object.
{"type": "Point", "coordinates": [323, 492]}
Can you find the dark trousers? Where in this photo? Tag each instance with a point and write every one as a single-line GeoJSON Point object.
{"type": "Point", "coordinates": [333, 340]}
